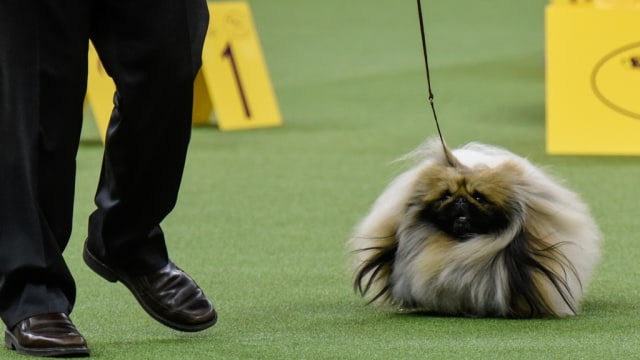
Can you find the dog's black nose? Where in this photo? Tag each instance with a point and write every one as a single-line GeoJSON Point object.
{"type": "Point", "coordinates": [461, 202]}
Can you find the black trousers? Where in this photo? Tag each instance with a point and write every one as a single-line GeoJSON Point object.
{"type": "Point", "coordinates": [152, 49]}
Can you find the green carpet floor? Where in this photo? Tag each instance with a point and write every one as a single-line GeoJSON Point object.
{"type": "Point", "coordinates": [263, 215]}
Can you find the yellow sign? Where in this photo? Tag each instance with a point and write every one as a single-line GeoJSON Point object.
{"type": "Point", "coordinates": [100, 92]}
{"type": "Point", "coordinates": [233, 77]}
{"type": "Point", "coordinates": [202, 105]}
{"type": "Point", "coordinates": [592, 80]}
{"type": "Point", "coordinates": [235, 72]}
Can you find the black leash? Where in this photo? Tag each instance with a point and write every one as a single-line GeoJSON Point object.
{"type": "Point", "coordinates": [426, 65]}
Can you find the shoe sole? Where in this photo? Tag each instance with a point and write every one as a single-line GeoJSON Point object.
{"type": "Point", "coordinates": [11, 343]}
{"type": "Point", "coordinates": [112, 276]}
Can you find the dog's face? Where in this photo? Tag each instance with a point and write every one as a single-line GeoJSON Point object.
{"type": "Point", "coordinates": [465, 202]}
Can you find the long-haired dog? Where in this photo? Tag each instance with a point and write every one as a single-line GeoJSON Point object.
{"type": "Point", "coordinates": [477, 231]}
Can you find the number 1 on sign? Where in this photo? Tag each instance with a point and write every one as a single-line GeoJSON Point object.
{"type": "Point", "coordinates": [234, 70]}
{"type": "Point", "coordinates": [229, 54]}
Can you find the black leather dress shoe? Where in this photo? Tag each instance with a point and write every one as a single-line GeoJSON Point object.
{"type": "Point", "coordinates": [46, 335]}
{"type": "Point", "coordinates": [169, 295]}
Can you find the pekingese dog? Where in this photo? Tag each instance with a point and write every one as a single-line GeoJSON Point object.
{"type": "Point", "coordinates": [477, 231]}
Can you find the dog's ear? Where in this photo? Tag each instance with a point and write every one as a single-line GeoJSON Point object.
{"type": "Point", "coordinates": [533, 265]}
{"type": "Point", "coordinates": [374, 242]}
{"type": "Point", "coordinates": [373, 247]}
{"type": "Point", "coordinates": [372, 276]}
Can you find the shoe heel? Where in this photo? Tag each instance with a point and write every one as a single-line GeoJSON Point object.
{"type": "Point", "coordinates": [9, 341]}
{"type": "Point", "coordinates": [97, 266]}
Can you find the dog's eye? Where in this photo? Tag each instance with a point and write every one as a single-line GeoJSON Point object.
{"type": "Point", "coordinates": [446, 195]}
{"type": "Point", "coordinates": [479, 198]}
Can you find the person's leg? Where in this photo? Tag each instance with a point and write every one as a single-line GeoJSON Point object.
{"type": "Point", "coordinates": [42, 84]}
{"type": "Point", "coordinates": [152, 49]}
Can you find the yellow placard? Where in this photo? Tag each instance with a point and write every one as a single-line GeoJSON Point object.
{"type": "Point", "coordinates": [100, 91]}
{"type": "Point", "coordinates": [235, 72]}
{"type": "Point", "coordinates": [592, 80]}
{"type": "Point", "coordinates": [202, 105]}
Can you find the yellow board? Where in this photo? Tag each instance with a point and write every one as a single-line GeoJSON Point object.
{"type": "Point", "coordinates": [100, 91]}
{"type": "Point", "coordinates": [202, 105]}
{"type": "Point", "coordinates": [235, 72]}
{"type": "Point", "coordinates": [592, 80]}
